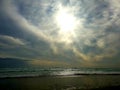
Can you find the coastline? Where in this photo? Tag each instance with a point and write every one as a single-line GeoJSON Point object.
{"type": "Point", "coordinates": [68, 82]}
{"type": "Point", "coordinates": [108, 88]}
{"type": "Point", "coordinates": [74, 75]}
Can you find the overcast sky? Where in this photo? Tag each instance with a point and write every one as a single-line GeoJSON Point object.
{"type": "Point", "coordinates": [63, 33]}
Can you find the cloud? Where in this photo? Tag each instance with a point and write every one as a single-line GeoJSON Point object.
{"type": "Point", "coordinates": [9, 41]}
{"type": "Point", "coordinates": [95, 38]}
{"type": "Point", "coordinates": [10, 46]}
{"type": "Point", "coordinates": [49, 63]}
{"type": "Point", "coordinates": [12, 12]}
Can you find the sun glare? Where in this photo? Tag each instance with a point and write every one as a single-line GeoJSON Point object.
{"type": "Point", "coordinates": [65, 20]}
{"type": "Point", "coordinates": [67, 23]}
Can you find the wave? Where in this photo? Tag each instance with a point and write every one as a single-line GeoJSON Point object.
{"type": "Point", "coordinates": [53, 72]}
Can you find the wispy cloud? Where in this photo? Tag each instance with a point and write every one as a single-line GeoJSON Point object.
{"type": "Point", "coordinates": [49, 63]}
{"type": "Point", "coordinates": [9, 41]}
{"type": "Point", "coordinates": [95, 38]}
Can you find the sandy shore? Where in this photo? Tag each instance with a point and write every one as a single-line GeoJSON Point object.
{"type": "Point", "coordinates": [79, 82]}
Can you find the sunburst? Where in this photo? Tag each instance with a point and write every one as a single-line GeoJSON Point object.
{"type": "Point", "coordinates": [65, 19]}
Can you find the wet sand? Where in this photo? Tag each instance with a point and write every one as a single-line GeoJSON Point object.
{"type": "Point", "coordinates": [75, 82]}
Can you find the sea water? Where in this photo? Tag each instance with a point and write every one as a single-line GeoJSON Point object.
{"type": "Point", "coordinates": [32, 72]}
{"type": "Point", "coordinates": [59, 79]}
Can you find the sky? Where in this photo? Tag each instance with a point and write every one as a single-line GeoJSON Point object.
{"type": "Point", "coordinates": [60, 33]}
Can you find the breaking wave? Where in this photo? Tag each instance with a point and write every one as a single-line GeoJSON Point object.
{"type": "Point", "coordinates": [28, 72]}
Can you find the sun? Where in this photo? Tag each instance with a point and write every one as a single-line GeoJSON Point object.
{"type": "Point", "coordinates": [67, 24]}
{"type": "Point", "coordinates": [66, 21]}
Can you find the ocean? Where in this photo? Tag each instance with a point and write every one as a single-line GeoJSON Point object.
{"type": "Point", "coordinates": [59, 79]}
{"type": "Point", "coordinates": [33, 72]}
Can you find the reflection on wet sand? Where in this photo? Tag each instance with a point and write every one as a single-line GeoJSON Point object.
{"type": "Point", "coordinates": [83, 82]}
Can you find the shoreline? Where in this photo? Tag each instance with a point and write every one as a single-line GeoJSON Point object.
{"type": "Point", "coordinates": [72, 75]}
{"type": "Point", "coordinates": [107, 88]}
{"type": "Point", "coordinates": [62, 82]}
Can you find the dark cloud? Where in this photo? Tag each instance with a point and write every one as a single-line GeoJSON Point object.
{"type": "Point", "coordinates": [30, 28]}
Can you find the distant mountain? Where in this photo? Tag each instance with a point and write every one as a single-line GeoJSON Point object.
{"type": "Point", "coordinates": [12, 63]}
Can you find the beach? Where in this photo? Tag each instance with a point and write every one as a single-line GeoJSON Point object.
{"type": "Point", "coordinates": [70, 82]}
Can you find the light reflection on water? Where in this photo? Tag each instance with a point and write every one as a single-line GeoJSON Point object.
{"type": "Point", "coordinates": [58, 79]}
{"type": "Point", "coordinates": [21, 72]}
